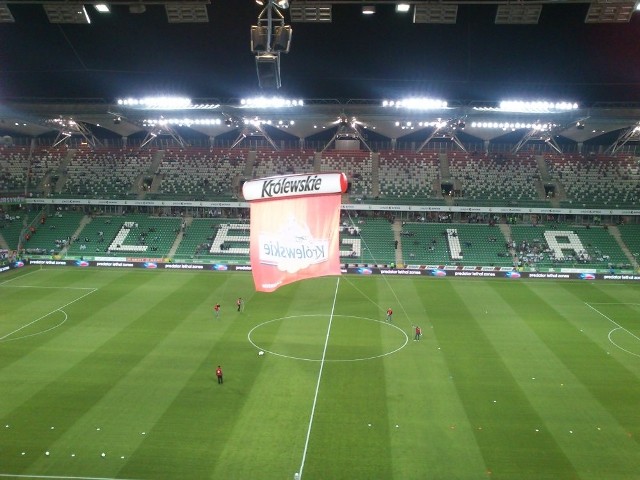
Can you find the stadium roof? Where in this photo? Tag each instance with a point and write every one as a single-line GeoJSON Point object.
{"type": "Point", "coordinates": [578, 51]}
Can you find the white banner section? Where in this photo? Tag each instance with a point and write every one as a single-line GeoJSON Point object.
{"type": "Point", "coordinates": [294, 186]}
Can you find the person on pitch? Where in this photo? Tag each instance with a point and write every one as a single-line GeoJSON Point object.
{"type": "Point", "coordinates": [389, 314]}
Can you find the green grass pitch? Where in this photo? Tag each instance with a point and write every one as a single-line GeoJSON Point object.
{"type": "Point", "coordinates": [512, 379]}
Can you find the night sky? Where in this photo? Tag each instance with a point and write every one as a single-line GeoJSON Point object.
{"type": "Point", "coordinates": [382, 56]}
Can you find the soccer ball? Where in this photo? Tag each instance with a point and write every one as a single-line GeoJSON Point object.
{"type": "Point", "coordinates": [260, 353]}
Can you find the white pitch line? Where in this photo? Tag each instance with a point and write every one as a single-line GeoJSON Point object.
{"type": "Point", "coordinates": [612, 321]}
{"type": "Point", "coordinates": [46, 315]}
{"type": "Point", "coordinates": [9, 475]}
{"type": "Point", "coordinates": [19, 276]}
{"type": "Point", "coordinates": [615, 303]}
{"type": "Point", "coordinates": [315, 396]}
{"type": "Point", "coordinates": [42, 286]}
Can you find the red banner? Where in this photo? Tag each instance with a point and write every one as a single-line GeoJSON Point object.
{"type": "Point", "coordinates": [294, 239]}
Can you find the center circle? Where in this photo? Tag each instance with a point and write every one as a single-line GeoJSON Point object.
{"type": "Point", "coordinates": [352, 338]}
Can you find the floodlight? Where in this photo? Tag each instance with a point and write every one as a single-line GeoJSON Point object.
{"type": "Point", "coordinates": [540, 106]}
{"type": "Point", "coordinates": [416, 103]}
{"type": "Point", "coordinates": [102, 7]}
{"type": "Point", "coordinates": [282, 38]}
{"type": "Point", "coordinates": [270, 102]}
{"type": "Point", "coordinates": [402, 7]}
{"type": "Point", "coordinates": [5, 14]}
{"type": "Point", "coordinates": [268, 68]}
{"type": "Point", "coordinates": [284, 4]}
{"type": "Point", "coordinates": [610, 11]}
{"type": "Point", "coordinates": [259, 38]}
{"type": "Point", "coordinates": [59, 12]}
{"type": "Point", "coordinates": [518, 14]}
{"type": "Point", "coordinates": [310, 12]}
{"type": "Point", "coordinates": [260, 2]}
{"type": "Point", "coordinates": [160, 103]}
{"type": "Point", "coordinates": [435, 13]}
{"type": "Point", "coordinates": [187, 13]}
{"type": "Point", "coordinates": [368, 10]}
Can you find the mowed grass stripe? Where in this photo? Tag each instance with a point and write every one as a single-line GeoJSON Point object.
{"type": "Point", "coordinates": [596, 392]}
{"type": "Point", "coordinates": [73, 393]}
{"type": "Point", "coordinates": [27, 312]}
{"type": "Point", "coordinates": [230, 428]}
{"type": "Point", "coordinates": [501, 415]}
{"type": "Point", "coordinates": [352, 395]}
{"type": "Point", "coordinates": [91, 323]}
{"type": "Point", "coordinates": [567, 410]}
{"type": "Point", "coordinates": [127, 413]}
{"type": "Point", "coordinates": [433, 439]}
{"type": "Point", "coordinates": [268, 436]}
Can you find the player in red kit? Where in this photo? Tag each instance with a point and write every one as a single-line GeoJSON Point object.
{"type": "Point", "coordinates": [219, 374]}
{"type": "Point", "coordinates": [216, 310]}
{"type": "Point", "coordinates": [389, 314]}
{"type": "Point", "coordinates": [418, 333]}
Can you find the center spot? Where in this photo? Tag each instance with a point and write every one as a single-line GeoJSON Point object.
{"type": "Point", "coordinates": [352, 338]}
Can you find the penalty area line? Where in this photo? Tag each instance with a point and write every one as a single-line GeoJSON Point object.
{"type": "Point", "coordinates": [612, 321]}
{"type": "Point", "coordinates": [59, 309]}
{"type": "Point", "coordinates": [315, 396]}
{"type": "Point", "coordinates": [19, 277]}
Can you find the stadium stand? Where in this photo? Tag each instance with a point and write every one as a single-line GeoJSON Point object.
{"type": "Point", "coordinates": [409, 178]}
{"type": "Point", "coordinates": [389, 177]}
{"type": "Point", "coordinates": [429, 244]}
{"type": "Point", "coordinates": [377, 245]}
{"type": "Point", "coordinates": [51, 234]}
{"type": "Point", "coordinates": [201, 234]}
{"type": "Point", "coordinates": [11, 226]}
{"type": "Point", "coordinates": [199, 174]}
{"type": "Point", "coordinates": [356, 164]}
{"type": "Point", "coordinates": [127, 235]}
{"type": "Point", "coordinates": [496, 179]}
{"type": "Point", "coordinates": [103, 173]}
{"type": "Point", "coordinates": [609, 182]}
{"type": "Point", "coordinates": [13, 169]}
{"type": "Point", "coordinates": [631, 236]}
{"type": "Point", "coordinates": [269, 163]}
{"type": "Point", "coordinates": [598, 248]}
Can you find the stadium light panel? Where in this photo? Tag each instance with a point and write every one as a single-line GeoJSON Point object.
{"type": "Point", "coordinates": [402, 7]}
{"type": "Point", "coordinates": [5, 14]}
{"type": "Point", "coordinates": [416, 103]}
{"type": "Point", "coordinates": [310, 12]}
{"type": "Point", "coordinates": [186, 121]}
{"type": "Point", "coordinates": [268, 69]}
{"type": "Point", "coordinates": [158, 103]}
{"type": "Point", "coordinates": [59, 12]}
{"type": "Point", "coordinates": [270, 102]}
{"type": "Point", "coordinates": [368, 9]}
{"type": "Point", "coordinates": [187, 13]}
{"type": "Point", "coordinates": [435, 13]}
{"type": "Point", "coordinates": [518, 14]}
{"type": "Point", "coordinates": [542, 106]}
{"type": "Point", "coordinates": [610, 11]}
{"type": "Point", "coordinates": [102, 7]}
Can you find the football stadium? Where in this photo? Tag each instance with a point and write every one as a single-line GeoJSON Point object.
{"type": "Point", "coordinates": [353, 282]}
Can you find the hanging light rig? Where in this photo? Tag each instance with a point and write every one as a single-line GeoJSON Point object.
{"type": "Point", "coordinates": [269, 38]}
